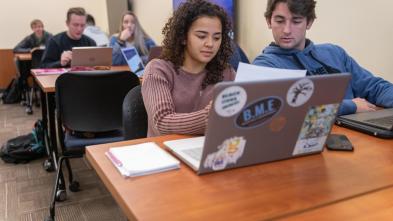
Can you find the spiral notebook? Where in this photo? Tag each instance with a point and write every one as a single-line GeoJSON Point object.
{"type": "Point", "coordinates": [141, 159]}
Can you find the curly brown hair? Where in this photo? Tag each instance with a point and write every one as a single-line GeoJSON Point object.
{"type": "Point", "coordinates": [177, 27]}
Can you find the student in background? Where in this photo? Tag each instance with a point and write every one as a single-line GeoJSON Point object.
{"type": "Point", "coordinates": [37, 39]}
{"type": "Point", "coordinates": [289, 21]}
{"type": "Point", "coordinates": [131, 34]}
{"type": "Point", "coordinates": [58, 51]}
{"type": "Point", "coordinates": [177, 88]}
{"type": "Point", "coordinates": [95, 32]}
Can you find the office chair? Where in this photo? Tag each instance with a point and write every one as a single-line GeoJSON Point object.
{"type": "Point", "coordinates": [89, 111]}
{"type": "Point", "coordinates": [22, 73]}
{"type": "Point", "coordinates": [237, 56]}
{"type": "Point", "coordinates": [154, 52]}
{"type": "Point", "coordinates": [31, 95]}
{"type": "Point", "coordinates": [134, 115]}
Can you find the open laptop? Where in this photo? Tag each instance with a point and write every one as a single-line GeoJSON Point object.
{"type": "Point", "coordinates": [263, 121]}
{"type": "Point", "coordinates": [378, 123]}
{"type": "Point", "coordinates": [91, 56]}
{"type": "Point", "coordinates": [133, 59]}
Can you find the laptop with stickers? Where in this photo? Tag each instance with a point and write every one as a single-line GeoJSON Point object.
{"type": "Point", "coordinates": [133, 60]}
{"type": "Point", "coordinates": [264, 121]}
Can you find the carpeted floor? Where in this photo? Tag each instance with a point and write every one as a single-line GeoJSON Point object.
{"type": "Point", "coordinates": [25, 189]}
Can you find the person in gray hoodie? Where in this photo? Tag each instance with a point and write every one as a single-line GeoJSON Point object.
{"type": "Point", "coordinates": [95, 32]}
{"type": "Point", "coordinates": [289, 21]}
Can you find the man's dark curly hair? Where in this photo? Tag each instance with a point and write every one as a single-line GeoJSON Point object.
{"type": "Point", "coordinates": [175, 33]}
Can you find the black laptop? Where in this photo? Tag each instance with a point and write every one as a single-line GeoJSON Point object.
{"type": "Point", "coordinates": [377, 123]}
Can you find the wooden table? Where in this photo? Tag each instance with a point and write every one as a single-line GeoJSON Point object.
{"type": "Point", "coordinates": [47, 82]}
{"type": "Point", "coordinates": [375, 205]}
{"type": "Point", "coordinates": [23, 56]}
{"type": "Point", "coordinates": [311, 186]}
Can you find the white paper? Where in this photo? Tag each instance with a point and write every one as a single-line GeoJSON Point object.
{"type": "Point", "coordinates": [141, 159]}
{"type": "Point", "coordinates": [249, 72]}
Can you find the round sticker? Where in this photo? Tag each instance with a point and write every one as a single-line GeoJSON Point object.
{"type": "Point", "coordinates": [230, 101]}
{"type": "Point", "coordinates": [300, 92]}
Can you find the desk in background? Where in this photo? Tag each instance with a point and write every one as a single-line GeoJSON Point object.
{"type": "Point", "coordinates": [23, 56]}
{"type": "Point", "coordinates": [311, 186]}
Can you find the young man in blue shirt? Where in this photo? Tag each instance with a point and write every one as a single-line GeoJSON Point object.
{"type": "Point", "coordinates": [289, 21]}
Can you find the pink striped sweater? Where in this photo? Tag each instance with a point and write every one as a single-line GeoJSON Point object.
{"type": "Point", "coordinates": [175, 103]}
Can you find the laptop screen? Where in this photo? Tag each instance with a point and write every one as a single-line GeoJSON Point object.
{"type": "Point", "coordinates": [133, 60]}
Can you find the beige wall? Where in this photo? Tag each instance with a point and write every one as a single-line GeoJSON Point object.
{"type": "Point", "coordinates": [153, 14]}
{"type": "Point", "coordinates": [15, 16]}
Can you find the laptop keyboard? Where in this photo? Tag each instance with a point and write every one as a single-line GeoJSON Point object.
{"type": "Point", "coordinates": [195, 153]}
{"type": "Point", "coordinates": [383, 121]}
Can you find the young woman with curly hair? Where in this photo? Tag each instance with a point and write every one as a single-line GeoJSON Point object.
{"type": "Point", "coordinates": [177, 88]}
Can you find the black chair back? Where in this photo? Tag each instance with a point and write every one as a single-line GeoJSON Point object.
{"type": "Point", "coordinates": [92, 101]}
{"type": "Point", "coordinates": [134, 115]}
{"type": "Point", "coordinates": [36, 57]}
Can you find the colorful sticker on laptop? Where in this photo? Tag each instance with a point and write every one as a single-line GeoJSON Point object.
{"type": "Point", "coordinates": [259, 112]}
{"type": "Point", "coordinates": [230, 101]}
{"type": "Point", "coordinates": [228, 153]}
{"type": "Point", "coordinates": [315, 129]}
{"type": "Point", "coordinates": [300, 92]}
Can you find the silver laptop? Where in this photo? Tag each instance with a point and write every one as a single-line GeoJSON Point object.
{"type": "Point", "coordinates": [134, 61]}
{"type": "Point", "coordinates": [378, 123]}
{"type": "Point", "coordinates": [91, 56]}
{"type": "Point", "coordinates": [257, 122]}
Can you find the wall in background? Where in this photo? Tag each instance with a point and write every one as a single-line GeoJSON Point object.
{"type": "Point", "coordinates": [16, 15]}
{"type": "Point", "coordinates": [115, 9]}
{"type": "Point", "coordinates": [153, 15]}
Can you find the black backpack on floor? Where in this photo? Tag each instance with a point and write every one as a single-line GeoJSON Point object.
{"type": "Point", "coordinates": [12, 93]}
{"type": "Point", "coordinates": [24, 148]}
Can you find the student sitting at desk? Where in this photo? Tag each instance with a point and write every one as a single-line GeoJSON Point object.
{"type": "Point", "coordinates": [131, 34]}
{"type": "Point", "coordinates": [58, 51]}
{"type": "Point", "coordinates": [37, 39]}
{"type": "Point", "coordinates": [177, 89]}
{"type": "Point", "coordinates": [289, 21]}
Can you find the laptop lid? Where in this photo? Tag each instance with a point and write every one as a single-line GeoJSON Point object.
{"type": "Point", "coordinates": [378, 123]}
{"type": "Point", "coordinates": [154, 52]}
{"type": "Point", "coordinates": [91, 56]}
{"type": "Point", "coordinates": [133, 59]}
{"type": "Point", "coordinates": [263, 121]}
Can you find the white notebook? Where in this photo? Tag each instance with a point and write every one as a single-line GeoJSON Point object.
{"type": "Point", "coordinates": [141, 159]}
{"type": "Point", "coordinates": [251, 72]}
